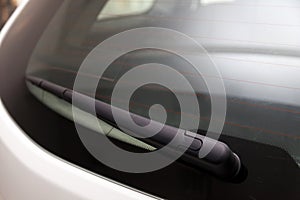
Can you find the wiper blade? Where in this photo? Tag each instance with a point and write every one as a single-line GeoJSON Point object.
{"type": "Point", "coordinates": [221, 161]}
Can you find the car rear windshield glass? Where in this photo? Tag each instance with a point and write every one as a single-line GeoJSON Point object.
{"type": "Point", "coordinates": [254, 44]}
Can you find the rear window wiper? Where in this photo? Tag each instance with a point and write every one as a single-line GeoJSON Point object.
{"type": "Point", "coordinates": [221, 161]}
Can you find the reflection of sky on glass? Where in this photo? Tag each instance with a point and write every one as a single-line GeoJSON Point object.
{"type": "Point", "coordinates": [124, 7]}
{"type": "Point", "coordinates": [205, 2]}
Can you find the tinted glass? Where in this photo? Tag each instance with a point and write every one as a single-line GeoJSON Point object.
{"type": "Point", "coordinates": [255, 45]}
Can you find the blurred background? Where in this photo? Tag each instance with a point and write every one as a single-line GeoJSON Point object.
{"type": "Point", "coordinates": [6, 9]}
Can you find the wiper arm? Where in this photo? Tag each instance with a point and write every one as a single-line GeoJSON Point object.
{"type": "Point", "coordinates": [221, 161]}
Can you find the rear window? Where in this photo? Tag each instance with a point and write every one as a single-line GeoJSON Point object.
{"type": "Point", "coordinates": [255, 45]}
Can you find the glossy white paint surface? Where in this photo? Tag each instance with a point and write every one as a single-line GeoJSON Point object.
{"type": "Point", "coordinates": [28, 172]}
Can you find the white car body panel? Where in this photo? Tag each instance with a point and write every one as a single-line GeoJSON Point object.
{"type": "Point", "coordinates": [29, 172]}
